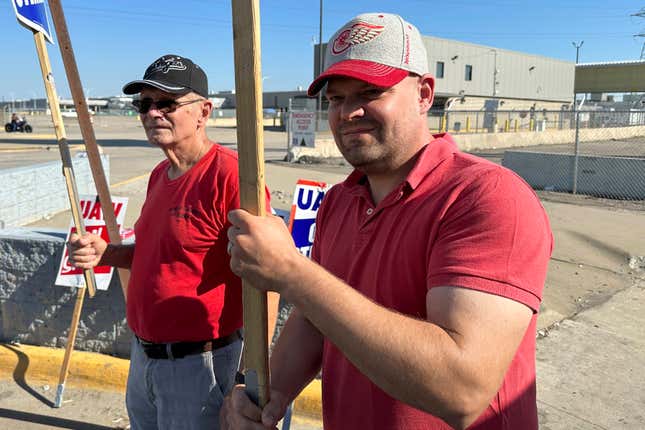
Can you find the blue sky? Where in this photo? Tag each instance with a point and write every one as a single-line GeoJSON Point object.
{"type": "Point", "coordinates": [114, 41]}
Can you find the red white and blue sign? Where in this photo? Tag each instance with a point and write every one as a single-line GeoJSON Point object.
{"type": "Point", "coordinates": [33, 15]}
{"type": "Point", "coordinates": [302, 220]}
{"type": "Point", "coordinates": [92, 213]}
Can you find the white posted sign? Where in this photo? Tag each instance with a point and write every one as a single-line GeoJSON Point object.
{"type": "Point", "coordinates": [69, 276]}
{"type": "Point", "coordinates": [302, 125]}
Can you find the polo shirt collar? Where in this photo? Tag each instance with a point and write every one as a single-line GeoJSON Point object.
{"type": "Point", "coordinates": [431, 155]}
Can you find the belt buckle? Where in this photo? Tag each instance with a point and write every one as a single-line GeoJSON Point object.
{"type": "Point", "coordinates": [169, 351]}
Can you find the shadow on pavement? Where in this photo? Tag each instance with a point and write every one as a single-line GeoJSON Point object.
{"type": "Point", "coordinates": [19, 376]}
{"type": "Point", "coordinates": [52, 422]}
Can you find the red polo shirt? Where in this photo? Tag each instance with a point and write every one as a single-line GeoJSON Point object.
{"type": "Point", "coordinates": [456, 220]}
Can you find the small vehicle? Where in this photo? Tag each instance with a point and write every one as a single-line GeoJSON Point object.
{"type": "Point", "coordinates": [22, 127]}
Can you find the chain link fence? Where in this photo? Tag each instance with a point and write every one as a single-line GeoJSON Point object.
{"type": "Point", "coordinates": [601, 154]}
{"type": "Point", "coordinates": [598, 153]}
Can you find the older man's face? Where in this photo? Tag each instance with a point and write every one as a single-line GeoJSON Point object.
{"type": "Point", "coordinates": [169, 128]}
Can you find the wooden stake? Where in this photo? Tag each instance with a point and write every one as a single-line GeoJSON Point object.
{"type": "Point", "coordinates": [248, 90]}
{"type": "Point", "coordinates": [87, 131]}
{"type": "Point", "coordinates": [68, 169]}
{"type": "Point", "coordinates": [71, 338]}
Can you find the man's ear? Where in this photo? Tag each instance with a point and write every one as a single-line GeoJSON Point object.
{"type": "Point", "coordinates": [426, 93]}
{"type": "Point", "coordinates": [207, 108]}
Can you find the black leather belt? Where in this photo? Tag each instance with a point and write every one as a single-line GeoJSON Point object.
{"type": "Point", "coordinates": [172, 351]}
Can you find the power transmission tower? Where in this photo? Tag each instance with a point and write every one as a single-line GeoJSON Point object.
{"type": "Point", "coordinates": [641, 14]}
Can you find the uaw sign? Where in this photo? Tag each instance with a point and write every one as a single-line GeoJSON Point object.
{"type": "Point", "coordinates": [92, 213]}
{"type": "Point", "coordinates": [33, 15]}
{"type": "Point", "coordinates": [302, 220]}
{"type": "Point", "coordinates": [302, 127]}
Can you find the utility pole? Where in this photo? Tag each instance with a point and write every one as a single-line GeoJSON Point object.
{"type": "Point", "coordinates": [578, 46]}
{"type": "Point", "coordinates": [320, 64]}
{"type": "Point", "coordinates": [494, 51]}
{"type": "Point", "coordinates": [576, 144]}
{"type": "Point", "coordinates": [641, 14]}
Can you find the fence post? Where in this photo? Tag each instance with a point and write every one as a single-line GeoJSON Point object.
{"type": "Point", "coordinates": [467, 124]}
{"type": "Point", "coordinates": [515, 125]}
{"type": "Point", "coordinates": [507, 126]}
{"type": "Point", "coordinates": [531, 124]}
{"type": "Point", "coordinates": [576, 154]}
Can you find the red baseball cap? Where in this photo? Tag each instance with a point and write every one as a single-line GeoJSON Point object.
{"type": "Point", "coordinates": [377, 48]}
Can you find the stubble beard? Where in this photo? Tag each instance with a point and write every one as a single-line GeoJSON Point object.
{"type": "Point", "coordinates": [374, 155]}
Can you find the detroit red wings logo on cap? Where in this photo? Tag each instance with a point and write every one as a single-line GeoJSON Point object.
{"type": "Point", "coordinates": [361, 32]}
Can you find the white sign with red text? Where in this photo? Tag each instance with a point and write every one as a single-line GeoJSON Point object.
{"type": "Point", "coordinates": [92, 213]}
{"type": "Point", "coordinates": [303, 128]}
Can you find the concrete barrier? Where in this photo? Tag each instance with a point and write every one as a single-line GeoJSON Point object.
{"type": "Point", "coordinates": [326, 147]}
{"type": "Point", "coordinates": [615, 177]}
{"type": "Point", "coordinates": [35, 311]}
{"type": "Point", "coordinates": [32, 192]}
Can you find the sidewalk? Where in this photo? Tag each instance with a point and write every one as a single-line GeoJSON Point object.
{"type": "Point", "coordinates": [35, 370]}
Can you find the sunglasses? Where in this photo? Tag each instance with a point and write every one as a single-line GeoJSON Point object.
{"type": "Point", "coordinates": [143, 106]}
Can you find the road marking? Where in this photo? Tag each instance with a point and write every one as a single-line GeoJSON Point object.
{"type": "Point", "coordinates": [127, 181]}
{"type": "Point", "coordinates": [78, 147]}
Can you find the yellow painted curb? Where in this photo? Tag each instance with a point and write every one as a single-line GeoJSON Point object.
{"type": "Point", "coordinates": [87, 369]}
{"type": "Point", "coordinates": [104, 372]}
{"type": "Point", "coordinates": [308, 404]}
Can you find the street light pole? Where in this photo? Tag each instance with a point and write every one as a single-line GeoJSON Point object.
{"type": "Point", "coordinates": [320, 65]}
{"type": "Point", "coordinates": [494, 51]}
{"type": "Point", "coordinates": [576, 143]}
{"type": "Point", "coordinates": [577, 46]}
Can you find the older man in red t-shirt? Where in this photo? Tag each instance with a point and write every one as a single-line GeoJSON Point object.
{"type": "Point", "coordinates": [184, 304]}
{"type": "Point", "coordinates": [422, 306]}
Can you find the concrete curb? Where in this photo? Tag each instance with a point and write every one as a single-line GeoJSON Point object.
{"type": "Point", "coordinates": [106, 373]}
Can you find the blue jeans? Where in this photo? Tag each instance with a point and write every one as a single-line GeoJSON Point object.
{"type": "Point", "coordinates": [185, 393]}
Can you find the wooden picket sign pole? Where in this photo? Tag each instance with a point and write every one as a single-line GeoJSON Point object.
{"type": "Point", "coordinates": [250, 145]}
{"type": "Point", "coordinates": [87, 131]}
{"type": "Point", "coordinates": [68, 169]}
{"type": "Point", "coordinates": [71, 339]}
{"type": "Point", "coordinates": [70, 182]}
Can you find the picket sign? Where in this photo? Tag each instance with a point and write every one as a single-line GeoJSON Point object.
{"type": "Point", "coordinates": [302, 220]}
{"type": "Point", "coordinates": [92, 213]}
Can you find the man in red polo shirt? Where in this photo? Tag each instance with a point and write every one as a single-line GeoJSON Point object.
{"type": "Point", "coordinates": [429, 264]}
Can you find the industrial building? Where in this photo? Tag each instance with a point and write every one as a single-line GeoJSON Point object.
{"type": "Point", "coordinates": [477, 77]}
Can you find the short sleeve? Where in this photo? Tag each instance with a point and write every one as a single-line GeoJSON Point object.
{"type": "Point", "coordinates": [495, 237]}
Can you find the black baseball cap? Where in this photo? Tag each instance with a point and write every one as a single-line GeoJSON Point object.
{"type": "Point", "coordinates": [173, 74]}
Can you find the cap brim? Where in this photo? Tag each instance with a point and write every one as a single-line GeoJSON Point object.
{"type": "Point", "coordinates": [135, 87]}
{"type": "Point", "coordinates": [372, 73]}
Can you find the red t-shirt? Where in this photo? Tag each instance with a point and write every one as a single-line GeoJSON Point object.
{"type": "Point", "coordinates": [456, 220]}
{"type": "Point", "coordinates": [181, 286]}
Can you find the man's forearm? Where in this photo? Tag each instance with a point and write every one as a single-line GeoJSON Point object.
{"type": "Point", "coordinates": [416, 359]}
{"type": "Point", "coordinates": [297, 356]}
{"type": "Point", "coordinates": [118, 256]}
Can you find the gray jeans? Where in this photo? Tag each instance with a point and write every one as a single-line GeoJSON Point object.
{"type": "Point", "coordinates": [186, 393]}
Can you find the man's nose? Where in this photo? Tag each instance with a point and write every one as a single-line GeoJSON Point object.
{"type": "Point", "coordinates": [351, 109]}
{"type": "Point", "coordinates": [154, 111]}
